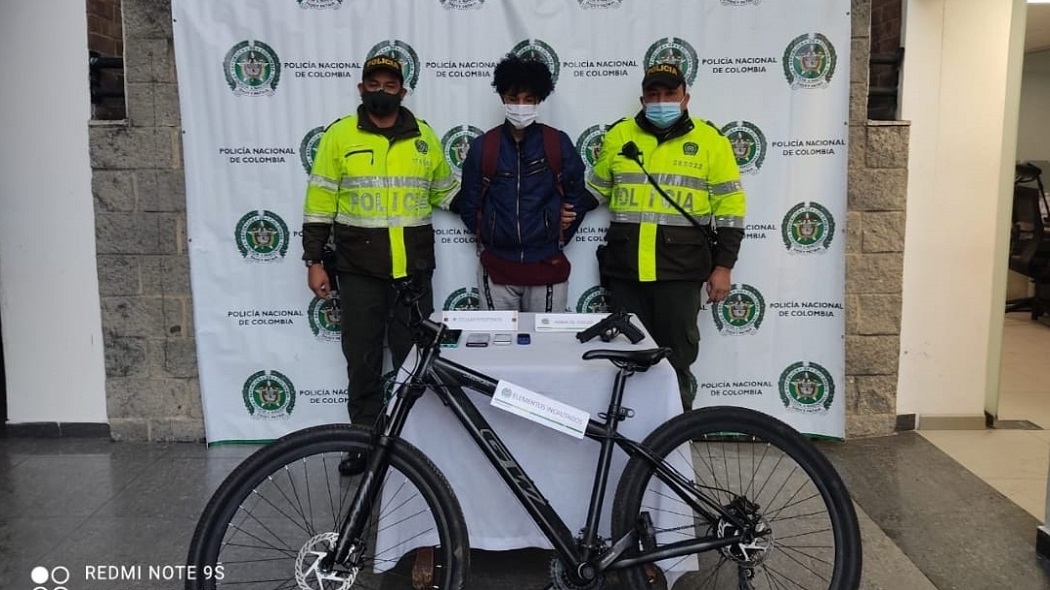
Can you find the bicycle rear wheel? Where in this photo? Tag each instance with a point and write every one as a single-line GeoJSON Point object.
{"type": "Point", "coordinates": [758, 468]}
{"type": "Point", "coordinates": [278, 512]}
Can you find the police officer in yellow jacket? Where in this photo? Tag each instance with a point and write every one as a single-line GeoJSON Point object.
{"type": "Point", "coordinates": [655, 261]}
{"type": "Point", "coordinates": [375, 179]}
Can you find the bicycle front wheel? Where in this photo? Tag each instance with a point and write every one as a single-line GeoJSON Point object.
{"type": "Point", "coordinates": [802, 528]}
{"type": "Point", "coordinates": [276, 515]}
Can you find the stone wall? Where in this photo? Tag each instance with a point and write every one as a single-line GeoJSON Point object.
{"type": "Point", "coordinates": [147, 323]}
{"type": "Point", "coordinates": [140, 229]}
{"type": "Point", "coordinates": [878, 180]}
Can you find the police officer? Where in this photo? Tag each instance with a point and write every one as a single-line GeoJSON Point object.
{"type": "Point", "coordinates": [655, 261]}
{"type": "Point", "coordinates": [375, 179]}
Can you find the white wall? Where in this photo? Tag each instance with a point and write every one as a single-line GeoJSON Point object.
{"type": "Point", "coordinates": [960, 90]}
{"type": "Point", "coordinates": [49, 299]}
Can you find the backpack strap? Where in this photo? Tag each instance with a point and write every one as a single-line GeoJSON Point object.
{"type": "Point", "coordinates": [552, 147]}
{"type": "Point", "coordinates": [489, 159]}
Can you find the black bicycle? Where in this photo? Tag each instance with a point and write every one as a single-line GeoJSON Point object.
{"type": "Point", "coordinates": [719, 498]}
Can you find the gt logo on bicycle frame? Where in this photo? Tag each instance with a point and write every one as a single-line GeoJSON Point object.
{"type": "Point", "coordinates": [511, 467]}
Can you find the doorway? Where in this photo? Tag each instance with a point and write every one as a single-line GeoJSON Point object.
{"type": "Point", "coordinates": [1023, 384]}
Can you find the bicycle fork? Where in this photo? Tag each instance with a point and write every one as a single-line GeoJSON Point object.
{"type": "Point", "coordinates": [387, 430]}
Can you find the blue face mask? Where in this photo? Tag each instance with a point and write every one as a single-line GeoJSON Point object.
{"type": "Point", "coordinates": [663, 114]}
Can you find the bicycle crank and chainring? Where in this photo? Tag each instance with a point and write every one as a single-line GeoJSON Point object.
{"type": "Point", "coordinates": [560, 578]}
{"type": "Point", "coordinates": [309, 575]}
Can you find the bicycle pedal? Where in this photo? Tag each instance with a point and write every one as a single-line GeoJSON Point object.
{"type": "Point", "coordinates": [423, 569]}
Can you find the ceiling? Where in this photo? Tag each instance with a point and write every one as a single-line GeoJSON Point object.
{"type": "Point", "coordinates": [1037, 30]}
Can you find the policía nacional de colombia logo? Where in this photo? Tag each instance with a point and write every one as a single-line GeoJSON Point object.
{"type": "Point", "coordinates": [404, 53]}
{"type": "Point", "coordinates": [539, 51]}
{"type": "Point", "coordinates": [463, 300]}
{"type": "Point", "coordinates": [809, 61]}
{"type": "Point", "coordinates": [593, 300]}
{"type": "Point", "coordinates": [319, 4]}
{"type": "Point", "coordinates": [462, 4]}
{"type": "Point", "coordinates": [308, 147]}
{"type": "Point", "coordinates": [455, 144]}
{"type": "Point", "coordinates": [741, 312]}
{"type": "Point", "coordinates": [808, 227]}
{"type": "Point", "coordinates": [262, 236]}
{"type": "Point", "coordinates": [268, 394]}
{"type": "Point", "coordinates": [252, 68]}
{"type": "Point", "coordinates": [589, 144]}
{"type": "Point", "coordinates": [325, 316]}
{"type": "Point", "coordinates": [807, 387]}
{"type": "Point", "coordinates": [673, 50]}
{"type": "Point", "coordinates": [748, 143]}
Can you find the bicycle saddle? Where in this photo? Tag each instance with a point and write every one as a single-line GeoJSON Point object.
{"type": "Point", "coordinates": [638, 360]}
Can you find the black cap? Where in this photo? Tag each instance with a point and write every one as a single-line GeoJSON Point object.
{"type": "Point", "coordinates": [383, 62]}
{"type": "Point", "coordinates": [665, 74]}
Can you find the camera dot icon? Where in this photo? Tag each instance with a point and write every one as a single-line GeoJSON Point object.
{"type": "Point", "coordinates": [41, 575]}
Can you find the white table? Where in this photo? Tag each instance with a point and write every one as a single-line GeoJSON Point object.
{"type": "Point", "coordinates": [561, 466]}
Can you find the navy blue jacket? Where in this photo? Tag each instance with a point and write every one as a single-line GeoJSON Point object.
{"type": "Point", "coordinates": [521, 214]}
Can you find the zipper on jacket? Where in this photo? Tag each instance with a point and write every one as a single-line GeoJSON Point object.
{"type": "Point", "coordinates": [517, 216]}
{"type": "Point", "coordinates": [371, 155]}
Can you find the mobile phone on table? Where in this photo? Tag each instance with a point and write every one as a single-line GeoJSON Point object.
{"type": "Point", "coordinates": [501, 339]}
{"type": "Point", "coordinates": [478, 339]}
{"type": "Point", "coordinates": [524, 339]}
{"type": "Point", "coordinates": [450, 338]}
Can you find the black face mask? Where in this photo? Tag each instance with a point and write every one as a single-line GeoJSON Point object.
{"type": "Point", "coordinates": [380, 103]}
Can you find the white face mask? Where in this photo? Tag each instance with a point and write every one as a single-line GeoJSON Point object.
{"type": "Point", "coordinates": [521, 115]}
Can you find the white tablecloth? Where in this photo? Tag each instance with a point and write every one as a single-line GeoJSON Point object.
{"type": "Point", "coordinates": [561, 466]}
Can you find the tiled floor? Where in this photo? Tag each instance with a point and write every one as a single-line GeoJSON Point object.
{"type": "Point", "coordinates": [1014, 462]}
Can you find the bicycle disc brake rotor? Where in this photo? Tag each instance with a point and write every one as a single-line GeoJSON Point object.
{"type": "Point", "coordinates": [758, 542]}
{"type": "Point", "coordinates": [308, 573]}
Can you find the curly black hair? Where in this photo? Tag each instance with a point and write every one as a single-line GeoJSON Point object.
{"type": "Point", "coordinates": [515, 74]}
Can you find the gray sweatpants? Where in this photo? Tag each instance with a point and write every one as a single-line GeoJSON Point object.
{"type": "Point", "coordinates": [541, 298]}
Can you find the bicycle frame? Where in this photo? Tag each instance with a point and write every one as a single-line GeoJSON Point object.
{"type": "Point", "coordinates": [447, 379]}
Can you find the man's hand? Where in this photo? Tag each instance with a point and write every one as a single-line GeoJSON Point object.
{"type": "Point", "coordinates": [567, 215]}
{"type": "Point", "coordinates": [317, 280]}
{"type": "Point", "coordinates": [718, 284]}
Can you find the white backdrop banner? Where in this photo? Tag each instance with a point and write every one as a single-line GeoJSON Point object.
{"type": "Point", "coordinates": [259, 80]}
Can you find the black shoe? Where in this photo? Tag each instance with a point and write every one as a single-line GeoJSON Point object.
{"type": "Point", "coordinates": [353, 464]}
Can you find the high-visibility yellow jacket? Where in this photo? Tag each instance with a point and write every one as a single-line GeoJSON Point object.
{"type": "Point", "coordinates": [648, 239]}
{"type": "Point", "coordinates": [376, 189]}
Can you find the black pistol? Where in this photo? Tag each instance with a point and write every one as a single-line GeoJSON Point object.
{"type": "Point", "coordinates": [618, 322]}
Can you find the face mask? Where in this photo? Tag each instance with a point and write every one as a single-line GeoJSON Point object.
{"type": "Point", "coordinates": [663, 114]}
{"type": "Point", "coordinates": [381, 103]}
{"type": "Point", "coordinates": [521, 115]}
